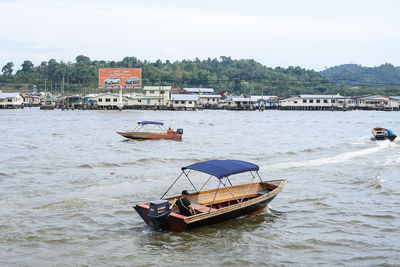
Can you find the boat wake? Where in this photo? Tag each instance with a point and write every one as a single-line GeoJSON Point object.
{"type": "Point", "coordinates": [329, 160]}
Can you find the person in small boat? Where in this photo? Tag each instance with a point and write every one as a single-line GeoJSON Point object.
{"type": "Point", "coordinates": [169, 131]}
{"type": "Point", "coordinates": [389, 132]}
{"type": "Point", "coordinates": [184, 205]}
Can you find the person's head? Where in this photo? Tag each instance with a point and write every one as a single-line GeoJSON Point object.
{"type": "Point", "coordinates": [185, 193]}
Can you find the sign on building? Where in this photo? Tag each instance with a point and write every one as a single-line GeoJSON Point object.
{"type": "Point", "coordinates": [111, 77]}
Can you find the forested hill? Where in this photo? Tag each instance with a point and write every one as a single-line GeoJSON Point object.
{"type": "Point", "coordinates": [245, 76]}
{"type": "Point", "coordinates": [384, 76]}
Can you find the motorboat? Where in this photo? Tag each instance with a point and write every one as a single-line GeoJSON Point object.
{"type": "Point", "coordinates": [383, 134]}
{"type": "Point", "coordinates": [141, 132]}
{"type": "Point", "coordinates": [225, 202]}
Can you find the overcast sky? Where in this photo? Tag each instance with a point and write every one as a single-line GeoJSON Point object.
{"type": "Point", "coordinates": [310, 34]}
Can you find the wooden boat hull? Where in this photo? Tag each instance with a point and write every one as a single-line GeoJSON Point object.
{"type": "Point", "coordinates": [150, 135]}
{"type": "Point", "coordinates": [179, 223]}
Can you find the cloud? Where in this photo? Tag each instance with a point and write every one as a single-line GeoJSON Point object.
{"type": "Point", "coordinates": [111, 30]}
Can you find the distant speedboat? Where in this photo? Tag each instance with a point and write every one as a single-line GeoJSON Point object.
{"type": "Point", "coordinates": [225, 202]}
{"type": "Point", "coordinates": [383, 134]}
{"type": "Point", "coordinates": [158, 132]}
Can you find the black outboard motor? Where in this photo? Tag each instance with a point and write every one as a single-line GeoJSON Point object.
{"type": "Point", "coordinates": [158, 213]}
{"type": "Point", "coordinates": [179, 131]}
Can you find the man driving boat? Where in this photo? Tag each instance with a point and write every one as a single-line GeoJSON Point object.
{"type": "Point", "coordinates": [184, 205]}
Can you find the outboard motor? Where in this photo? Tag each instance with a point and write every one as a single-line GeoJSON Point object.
{"type": "Point", "coordinates": [158, 213]}
{"type": "Point", "coordinates": [179, 131]}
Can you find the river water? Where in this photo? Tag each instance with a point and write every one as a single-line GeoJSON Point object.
{"type": "Point", "coordinates": [68, 183]}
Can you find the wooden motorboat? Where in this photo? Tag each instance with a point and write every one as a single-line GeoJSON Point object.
{"type": "Point", "coordinates": [383, 134]}
{"type": "Point", "coordinates": [159, 133]}
{"type": "Point", "coordinates": [225, 202]}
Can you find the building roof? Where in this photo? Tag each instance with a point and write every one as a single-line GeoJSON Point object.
{"type": "Point", "coordinates": [199, 90]}
{"type": "Point", "coordinates": [156, 88]}
{"type": "Point", "coordinates": [395, 97]}
{"type": "Point", "coordinates": [240, 99]}
{"type": "Point", "coordinates": [208, 96]}
{"type": "Point", "coordinates": [321, 96]}
{"type": "Point", "coordinates": [9, 95]}
{"type": "Point", "coordinates": [378, 97]}
{"type": "Point", "coordinates": [258, 97]}
{"type": "Point", "coordinates": [184, 97]}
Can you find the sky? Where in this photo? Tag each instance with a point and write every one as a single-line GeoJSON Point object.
{"type": "Point", "coordinates": [310, 34]}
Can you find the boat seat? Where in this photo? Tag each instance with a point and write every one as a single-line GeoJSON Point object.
{"type": "Point", "coordinates": [201, 208]}
{"type": "Point", "coordinates": [264, 192]}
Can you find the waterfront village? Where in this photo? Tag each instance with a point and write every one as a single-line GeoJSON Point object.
{"type": "Point", "coordinates": [168, 98]}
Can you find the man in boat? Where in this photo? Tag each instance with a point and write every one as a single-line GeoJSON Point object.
{"type": "Point", "coordinates": [169, 131]}
{"type": "Point", "coordinates": [184, 205]}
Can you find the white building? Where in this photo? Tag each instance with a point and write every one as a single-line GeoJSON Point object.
{"type": "Point", "coordinates": [379, 102]}
{"type": "Point", "coordinates": [209, 100]}
{"type": "Point", "coordinates": [184, 101]}
{"type": "Point", "coordinates": [106, 100]}
{"type": "Point", "coordinates": [157, 95]}
{"type": "Point", "coordinates": [313, 102]}
{"type": "Point", "coordinates": [11, 100]}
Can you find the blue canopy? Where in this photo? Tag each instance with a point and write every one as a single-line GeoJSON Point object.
{"type": "Point", "coordinates": [223, 168]}
{"type": "Point", "coordinates": [150, 122]}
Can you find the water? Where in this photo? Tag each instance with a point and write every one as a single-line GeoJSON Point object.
{"type": "Point", "coordinates": [68, 183]}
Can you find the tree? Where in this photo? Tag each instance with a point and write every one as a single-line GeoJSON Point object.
{"type": "Point", "coordinates": [27, 66]}
{"type": "Point", "coordinates": [8, 69]}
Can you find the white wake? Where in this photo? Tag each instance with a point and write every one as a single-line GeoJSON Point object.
{"type": "Point", "coordinates": [329, 160]}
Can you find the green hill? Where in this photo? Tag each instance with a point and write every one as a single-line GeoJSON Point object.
{"type": "Point", "coordinates": [244, 76]}
{"type": "Point", "coordinates": [384, 76]}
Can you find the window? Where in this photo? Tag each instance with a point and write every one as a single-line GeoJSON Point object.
{"type": "Point", "coordinates": [182, 102]}
{"type": "Point", "coordinates": [151, 91]}
{"type": "Point", "coordinates": [318, 101]}
{"type": "Point", "coordinates": [333, 101]}
{"type": "Point", "coordinates": [190, 102]}
{"type": "Point", "coordinates": [213, 99]}
{"type": "Point", "coordinates": [325, 100]}
{"type": "Point", "coordinates": [295, 101]}
{"type": "Point", "coordinates": [100, 99]}
{"type": "Point", "coordinates": [304, 100]}
{"type": "Point", "coordinates": [176, 102]}
{"type": "Point", "coordinates": [108, 100]}
{"type": "Point", "coordinates": [159, 101]}
{"type": "Point", "coordinates": [115, 99]}
{"type": "Point", "coordinates": [139, 100]}
{"type": "Point", "coordinates": [311, 100]}
{"type": "Point", "coordinates": [208, 99]}
{"type": "Point", "coordinates": [9, 100]}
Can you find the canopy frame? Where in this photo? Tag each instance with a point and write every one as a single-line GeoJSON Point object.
{"type": "Point", "coordinates": [156, 125]}
{"type": "Point", "coordinates": [221, 181]}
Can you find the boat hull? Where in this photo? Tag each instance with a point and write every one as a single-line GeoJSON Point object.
{"type": "Point", "coordinates": [179, 223]}
{"type": "Point", "coordinates": [150, 135]}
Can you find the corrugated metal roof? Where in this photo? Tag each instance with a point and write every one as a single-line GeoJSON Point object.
{"type": "Point", "coordinates": [199, 90]}
{"type": "Point", "coordinates": [184, 97]}
{"type": "Point", "coordinates": [9, 95]}
{"type": "Point", "coordinates": [321, 96]}
{"type": "Point", "coordinates": [156, 88]}
{"type": "Point", "coordinates": [240, 99]}
{"type": "Point", "coordinates": [208, 96]}
{"type": "Point", "coordinates": [374, 97]}
{"type": "Point", "coordinates": [395, 97]}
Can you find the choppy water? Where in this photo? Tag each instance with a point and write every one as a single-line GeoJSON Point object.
{"type": "Point", "coordinates": [68, 183]}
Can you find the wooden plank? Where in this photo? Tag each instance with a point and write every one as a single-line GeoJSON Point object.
{"type": "Point", "coordinates": [202, 208]}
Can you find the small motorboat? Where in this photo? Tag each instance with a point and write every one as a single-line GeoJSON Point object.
{"type": "Point", "coordinates": [383, 134]}
{"type": "Point", "coordinates": [225, 202]}
{"type": "Point", "coordinates": [157, 132]}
